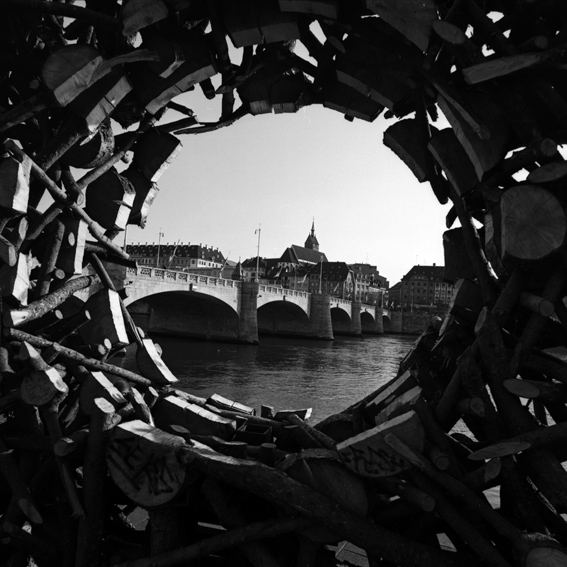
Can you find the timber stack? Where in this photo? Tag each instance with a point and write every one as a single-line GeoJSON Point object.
{"type": "Point", "coordinates": [475, 95]}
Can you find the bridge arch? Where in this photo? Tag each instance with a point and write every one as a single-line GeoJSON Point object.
{"type": "Point", "coordinates": [341, 320]}
{"type": "Point", "coordinates": [282, 318]}
{"type": "Point", "coordinates": [186, 314]}
{"type": "Point", "coordinates": [367, 322]}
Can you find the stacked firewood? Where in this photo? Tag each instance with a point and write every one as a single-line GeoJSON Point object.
{"type": "Point", "coordinates": [107, 466]}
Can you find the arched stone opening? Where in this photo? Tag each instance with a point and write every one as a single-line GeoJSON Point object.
{"type": "Point", "coordinates": [367, 322]}
{"type": "Point", "coordinates": [341, 321]}
{"type": "Point", "coordinates": [283, 318]}
{"type": "Point", "coordinates": [186, 314]}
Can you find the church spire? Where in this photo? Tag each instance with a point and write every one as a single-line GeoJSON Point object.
{"type": "Point", "coordinates": [312, 243]}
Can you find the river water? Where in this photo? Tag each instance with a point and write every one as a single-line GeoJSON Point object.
{"type": "Point", "coordinates": [287, 373]}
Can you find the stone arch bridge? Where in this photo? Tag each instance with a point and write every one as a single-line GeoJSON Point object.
{"type": "Point", "coordinates": [190, 304]}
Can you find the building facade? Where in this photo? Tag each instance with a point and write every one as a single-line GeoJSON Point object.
{"type": "Point", "coordinates": [184, 257]}
{"type": "Point", "coordinates": [422, 287]}
{"type": "Point", "coordinates": [370, 286]}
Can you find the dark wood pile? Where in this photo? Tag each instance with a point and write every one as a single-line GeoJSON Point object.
{"type": "Point", "coordinates": [87, 447]}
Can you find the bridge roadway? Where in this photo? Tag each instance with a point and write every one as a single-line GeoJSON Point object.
{"type": "Point", "coordinates": [191, 304]}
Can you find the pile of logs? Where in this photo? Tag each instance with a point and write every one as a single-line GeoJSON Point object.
{"type": "Point", "coordinates": [107, 466]}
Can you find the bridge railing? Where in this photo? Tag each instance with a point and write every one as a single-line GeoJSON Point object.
{"type": "Point", "coordinates": [181, 277]}
{"type": "Point", "coordinates": [278, 290]}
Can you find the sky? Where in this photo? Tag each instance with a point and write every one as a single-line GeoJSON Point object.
{"type": "Point", "coordinates": [279, 171]}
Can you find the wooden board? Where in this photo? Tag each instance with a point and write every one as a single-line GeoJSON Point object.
{"type": "Point", "coordinates": [109, 200]}
{"type": "Point", "coordinates": [139, 14]}
{"type": "Point", "coordinates": [351, 103]}
{"type": "Point", "coordinates": [71, 254]}
{"type": "Point", "coordinates": [457, 263]}
{"type": "Point", "coordinates": [143, 462]}
{"type": "Point", "coordinates": [107, 319]}
{"type": "Point", "coordinates": [412, 18]}
{"type": "Point", "coordinates": [151, 365]}
{"type": "Point", "coordinates": [14, 185]}
{"type": "Point", "coordinates": [395, 387]}
{"type": "Point", "coordinates": [484, 153]}
{"type": "Point", "coordinates": [92, 151]}
{"type": "Point", "coordinates": [367, 453]}
{"type": "Point", "coordinates": [325, 8]}
{"type": "Point", "coordinates": [400, 404]}
{"type": "Point", "coordinates": [186, 76]}
{"type": "Point", "coordinates": [97, 385]}
{"type": "Point", "coordinates": [503, 66]}
{"type": "Point", "coordinates": [153, 153]}
{"type": "Point", "coordinates": [241, 22]}
{"type": "Point", "coordinates": [145, 194]}
{"type": "Point", "coordinates": [15, 281]}
{"type": "Point", "coordinates": [304, 413]}
{"type": "Point", "coordinates": [406, 139]}
{"type": "Point", "coordinates": [221, 402]}
{"type": "Point", "coordinates": [276, 25]}
{"type": "Point", "coordinates": [69, 71]}
{"type": "Point", "coordinates": [172, 410]}
{"type": "Point", "coordinates": [450, 155]}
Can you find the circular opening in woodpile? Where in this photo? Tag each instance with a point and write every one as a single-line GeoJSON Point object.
{"type": "Point", "coordinates": [457, 458]}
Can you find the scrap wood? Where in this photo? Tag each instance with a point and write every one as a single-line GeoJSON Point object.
{"type": "Point", "coordinates": [458, 394]}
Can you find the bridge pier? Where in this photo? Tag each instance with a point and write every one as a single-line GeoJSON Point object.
{"type": "Point", "coordinates": [355, 322]}
{"type": "Point", "coordinates": [248, 313]}
{"type": "Point", "coordinates": [379, 320]}
{"type": "Point", "coordinates": [320, 324]}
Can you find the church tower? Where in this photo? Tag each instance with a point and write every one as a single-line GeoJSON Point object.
{"type": "Point", "coordinates": [312, 243]}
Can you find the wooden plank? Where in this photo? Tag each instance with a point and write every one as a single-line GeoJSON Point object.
{"type": "Point", "coordinates": [224, 403]}
{"type": "Point", "coordinates": [241, 22]}
{"type": "Point", "coordinates": [486, 152]}
{"type": "Point", "coordinates": [145, 194]}
{"type": "Point", "coordinates": [14, 184]}
{"type": "Point", "coordinates": [99, 101]}
{"type": "Point", "coordinates": [276, 25]}
{"type": "Point", "coordinates": [93, 151]}
{"type": "Point", "coordinates": [395, 387]}
{"type": "Point", "coordinates": [96, 385]}
{"type": "Point", "coordinates": [282, 415]}
{"type": "Point", "coordinates": [406, 139]}
{"type": "Point", "coordinates": [368, 454]}
{"type": "Point", "coordinates": [144, 463]}
{"type": "Point", "coordinates": [72, 69]}
{"type": "Point", "coordinates": [107, 319]}
{"type": "Point", "coordinates": [412, 18]}
{"type": "Point", "coordinates": [197, 69]}
{"type": "Point", "coordinates": [495, 68]}
{"type": "Point", "coordinates": [41, 383]}
{"type": "Point", "coordinates": [351, 103]}
{"type": "Point", "coordinates": [138, 14]}
{"type": "Point", "coordinates": [325, 8]}
{"type": "Point", "coordinates": [450, 155]}
{"type": "Point", "coordinates": [401, 404]}
{"type": "Point", "coordinates": [153, 152]}
{"type": "Point", "coordinates": [71, 254]}
{"type": "Point", "coordinates": [172, 410]}
{"type": "Point", "coordinates": [109, 200]}
{"type": "Point", "coordinates": [15, 280]}
{"type": "Point", "coordinates": [151, 365]}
